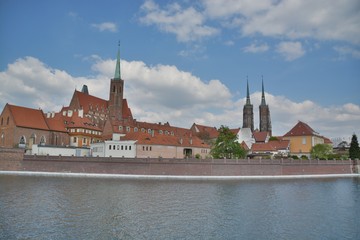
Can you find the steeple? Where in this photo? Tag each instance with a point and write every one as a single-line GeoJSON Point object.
{"type": "Point", "coordinates": [117, 69]}
{"type": "Point", "coordinates": [248, 114]}
{"type": "Point", "coordinates": [247, 93]}
{"type": "Point", "coordinates": [263, 102]}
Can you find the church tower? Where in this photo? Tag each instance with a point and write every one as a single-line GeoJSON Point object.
{"type": "Point", "coordinates": [248, 114]}
{"type": "Point", "coordinates": [265, 121]}
{"type": "Point", "coordinates": [116, 92]}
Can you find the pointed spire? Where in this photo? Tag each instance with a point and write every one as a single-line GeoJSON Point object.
{"type": "Point", "coordinates": [247, 92]}
{"type": "Point", "coordinates": [263, 102]}
{"type": "Point", "coordinates": [117, 69]}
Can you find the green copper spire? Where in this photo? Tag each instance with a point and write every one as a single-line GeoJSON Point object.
{"type": "Point", "coordinates": [247, 93]}
{"type": "Point", "coordinates": [117, 69]}
{"type": "Point", "coordinates": [263, 102]}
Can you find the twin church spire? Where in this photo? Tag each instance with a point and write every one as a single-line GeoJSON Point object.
{"type": "Point", "coordinates": [264, 112]}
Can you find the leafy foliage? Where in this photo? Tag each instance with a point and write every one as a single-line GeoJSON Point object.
{"type": "Point", "coordinates": [321, 151]}
{"type": "Point", "coordinates": [226, 145]}
{"type": "Point", "coordinates": [272, 138]}
{"type": "Point", "coordinates": [354, 151]}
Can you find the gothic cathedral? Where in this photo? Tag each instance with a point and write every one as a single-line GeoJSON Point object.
{"type": "Point", "coordinates": [264, 113]}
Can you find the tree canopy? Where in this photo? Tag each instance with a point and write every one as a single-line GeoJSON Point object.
{"type": "Point", "coordinates": [321, 151]}
{"type": "Point", "coordinates": [226, 145]}
{"type": "Point", "coordinates": [354, 151]}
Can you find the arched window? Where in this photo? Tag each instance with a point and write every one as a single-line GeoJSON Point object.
{"type": "Point", "coordinates": [135, 129]}
{"type": "Point", "coordinates": [114, 89]}
{"type": "Point", "coordinates": [149, 130]}
{"type": "Point", "coordinates": [42, 140]}
{"type": "Point", "coordinates": [22, 140]}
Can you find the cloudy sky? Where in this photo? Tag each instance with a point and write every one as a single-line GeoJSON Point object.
{"type": "Point", "coordinates": [188, 61]}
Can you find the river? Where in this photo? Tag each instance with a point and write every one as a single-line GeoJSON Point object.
{"type": "Point", "coordinates": [94, 208]}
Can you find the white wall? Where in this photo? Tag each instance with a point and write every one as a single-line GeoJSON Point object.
{"type": "Point", "coordinates": [56, 151]}
{"type": "Point", "coordinates": [125, 149]}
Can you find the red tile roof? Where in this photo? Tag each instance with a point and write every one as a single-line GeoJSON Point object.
{"type": "Point", "coordinates": [126, 111]}
{"type": "Point", "coordinates": [86, 100]}
{"type": "Point", "coordinates": [161, 139]}
{"type": "Point", "coordinates": [56, 123]}
{"type": "Point", "coordinates": [212, 131]}
{"type": "Point", "coordinates": [260, 136]}
{"type": "Point", "coordinates": [81, 122]}
{"type": "Point", "coordinates": [301, 129]}
{"type": "Point", "coordinates": [28, 117]}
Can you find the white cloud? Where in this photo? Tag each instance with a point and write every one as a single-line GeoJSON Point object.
{"type": "Point", "coordinates": [105, 26]}
{"type": "Point", "coordinates": [187, 24]}
{"type": "Point", "coordinates": [256, 48]}
{"type": "Point", "coordinates": [164, 93]}
{"type": "Point", "coordinates": [290, 50]}
{"type": "Point", "coordinates": [293, 19]}
{"type": "Point", "coordinates": [344, 51]}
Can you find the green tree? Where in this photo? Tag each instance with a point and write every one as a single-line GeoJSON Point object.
{"type": "Point", "coordinates": [226, 145]}
{"type": "Point", "coordinates": [321, 151]}
{"type": "Point", "coordinates": [354, 151]}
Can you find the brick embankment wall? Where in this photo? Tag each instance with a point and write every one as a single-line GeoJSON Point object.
{"type": "Point", "coordinates": [15, 160]}
{"type": "Point", "coordinates": [11, 159]}
{"type": "Point", "coordinates": [186, 167]}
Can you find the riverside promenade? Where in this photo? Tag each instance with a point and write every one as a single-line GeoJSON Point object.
{"type": "Point", "coordinates": [15, 160]}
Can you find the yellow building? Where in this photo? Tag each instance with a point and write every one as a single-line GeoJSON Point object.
{"type": "Point", "coordinates": [302, 138]}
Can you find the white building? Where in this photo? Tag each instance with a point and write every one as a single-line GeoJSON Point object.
{"type": "Point", "coordinates": [114, 148]}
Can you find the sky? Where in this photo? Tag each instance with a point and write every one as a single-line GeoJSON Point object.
{"type": "Point", "coordinates": [189, 61]}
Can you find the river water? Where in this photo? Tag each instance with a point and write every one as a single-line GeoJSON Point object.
{"type": "Point", "coordinates": [93, 208]}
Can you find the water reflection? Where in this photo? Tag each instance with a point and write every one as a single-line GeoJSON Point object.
{"type": "Point", "coordinates": [84, 208]}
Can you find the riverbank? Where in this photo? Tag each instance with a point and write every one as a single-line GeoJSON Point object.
{"type": "Point", "coordinates": [15, 160]}
{"type": "Point", "coordinates": [171, 177]}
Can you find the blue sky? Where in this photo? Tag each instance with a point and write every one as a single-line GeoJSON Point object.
{"type": "Point", "coordinates": [188, 61]}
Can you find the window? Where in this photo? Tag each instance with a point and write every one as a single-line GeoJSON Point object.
{"type": "Point", "coordinates": [149, 130]}
{"type": "Point", "coordinates": [128, 129]}
{"type": "Point", "coordinates": [75, 139]}
{"type": "Point", "coordinates": [150, 148]}
{"type": "Point", "coordinates": [42, 140]}
{"type": "Point", "coordinates": [120, 128]}
{"type": "Point", "coordinates": [118, 147]}
{"type": "Point", "coordinates": [109, 147]}
{"type": "Point", "coordinates": [114, 147]}
{"type": "Point", "coordinates": [135, 129]}
{"type": "Point", "coordinates": [143, 148]}
{"type": "Point", "coordinates": [125, 147]}
{"type": "Point", "coordinates": [147, 148]}
{"type": "Point", "coordinates": [142, 129]}
{"type": "Point", "coordinates": [84, 140]}
{"type": "Point", "coordinates": [22, 140]}
{"type": "Point", "coordinates": [129, 147]}
{"type": "Point", "coordinates": [161, 131]}
{"type": "Point", "coordinates": [304, 140]}
{"type": "Point", "coordinates": [122, 147]}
